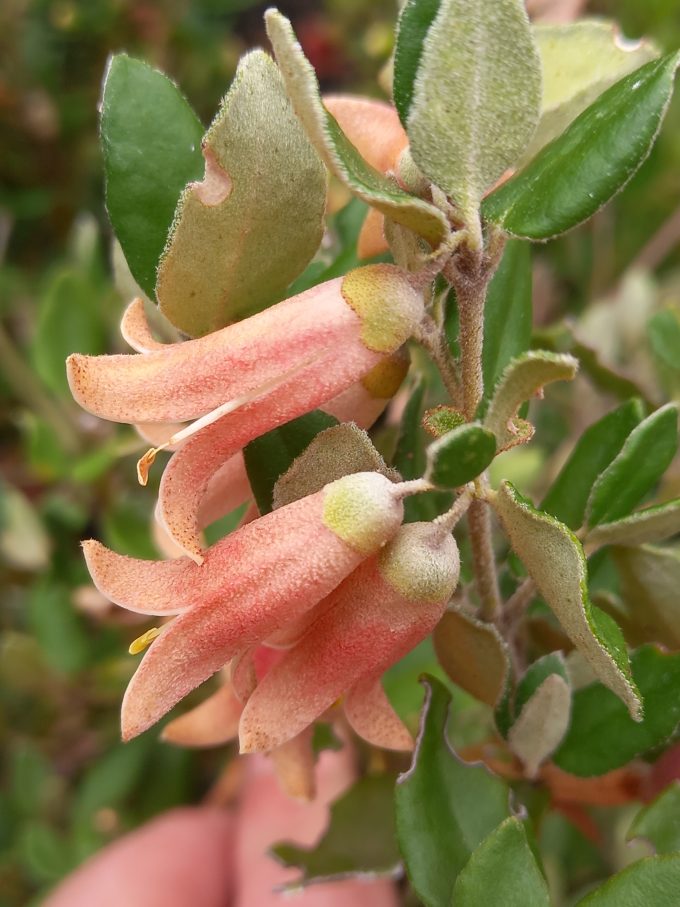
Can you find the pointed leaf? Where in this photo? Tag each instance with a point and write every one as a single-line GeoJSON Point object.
{"type": "Point", "coordinates": [476, 96]}
{"type": "Point", "coordinates": [594, 451]}
{"type": "Point", "coordinates": [524, 376]}
{"type": "Point", "coordinates": [659, 821]}
{"type": "Point", "coordinates": [650, 579]}
{"type": "Point", "coordinates": [653, 524]}
{"type": "Point", "coordinates": [514, 701]}
{"type": "Point", "coordinates": [244, 233]}
{"type": "Point", "coordinates": [445, 808]}
{"type": "Point", "coordinates": [655, 880]}
{"type": "Point", "coordinates": [460, 456]}
{"type": "Point", "coordinates": [268, 457]}
{"type": "Point", "coordinates": [473, 654]}
{"type": "Point", "coordinates": [151, 140]}
{"type": "Point", "coordinates": [602, 735]}
{"type": "Point", "coordinates": [541, 723]}
{"type": "Point", "coordinates": [507, 313]}
{"type": "Point", "coordinates": [574, 176]}
{"type": "Point", "coordinates": [502, 870]}
{"type": "Point", "coordinates": [555, 560]}
{"type": "Point", "coordinates": [643, 459]}
{"type": "Point", "coordinates": [337, 151]}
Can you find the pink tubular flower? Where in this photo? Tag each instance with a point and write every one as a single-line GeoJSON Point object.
{"type": "Point", "coordinates": [370, 621]}
{"type": "Point", "coordinates": [252, 583]}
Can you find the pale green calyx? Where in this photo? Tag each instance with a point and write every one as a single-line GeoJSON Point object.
{"type": "Point", "coordinates": [364, 510]}
{"type": "Point", "coordinates": [389, 306]}
{"type": "Point", "coordinates": [422, 563]}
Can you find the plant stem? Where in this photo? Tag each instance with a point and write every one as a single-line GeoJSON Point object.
{"type": "Point", "coordinates": [433, 340]}
{"type": "Point", "coordinates": [484, 560]}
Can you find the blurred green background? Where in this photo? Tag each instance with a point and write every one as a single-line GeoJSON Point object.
{"type": "Point", "coordinates": [67, 784]}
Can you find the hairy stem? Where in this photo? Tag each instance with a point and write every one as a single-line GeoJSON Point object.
{"type": "Point", "coordinates": [484, 560]}
{"type": "Point", "coordinates": [433, 340]}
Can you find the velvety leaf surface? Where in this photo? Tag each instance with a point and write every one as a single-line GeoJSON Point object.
{"type": "Point", "coordinates": [514, 701]}
{"type": "Point", "coordinates": [555, 560]}
{"type": "Point", "coordinates": [151, 140]}
{"type": "Point", "coordinates": [502, 870]}
{"type": "Point", "coordinates": [268, 457]}
{"type": "Point", "coordinates": [460, 456]}
{"type": "Point", "coordinates": [659, 821]}
{"type": "Point", "coordinates": [414, 23]}
{"type": "Point", "coordinates": [243, 234]}
{"type": "Point", "coordinates": [445, 808]}
{"type": "Point", "coordinates": [602, 736]}
{"type": "Point", "coordinates": [581, 170]}
{"type": "Point", "coordinates": [650, 580]}
{"type": "Point", "coordinates": [655, 880]}
{"type": "Point", "coordinates": [599, 444]}
{"type": "Point", "coordinates": [341, 157]}
{"type": "Point", "coordinates": [653, 524]}
{"type": "Point", "coordinates": [507, 313]}
{"type": "Point", "coordinates": [643, 459]}
{"type": "Point", "coordinates": [541, 723]}
{"type": "Point", "coordinates": [473, 654]}
{"type": "Point", "coordinates": [476, 96]}
{"type": "Point", "coordinates": [359, 840]}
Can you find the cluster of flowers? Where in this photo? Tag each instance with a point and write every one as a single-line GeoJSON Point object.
{"type": "Point", "coordinates": [302, 607]}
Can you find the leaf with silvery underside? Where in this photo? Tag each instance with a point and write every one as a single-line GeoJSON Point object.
{"type": "Point", "coordinates": [502, 870]}
{"type": "Point", "coordinates": [522, 378]}
{"type": "Point", "coordinates": [580, 60]}
{"type": "Point", "coordinates": [473, 654]}
{"type": "Point", "coordinates": [653, 524]}
{"type": "Point", "coordinates": [507, 314]}
{"type": "Point", "coordinates": [537, 672]}
{"type": "Point", "coordinates": [270, 456]}
{"type": "Point", "coordinates": [602, 736]}
{"type": "Point", "coordinates": [650, 580]}
{"type": "Point", "coordinates": [556, 562]}
{"type": "Point", "coordinates": [634, 472]}
{"type": "Point", "coordinates": [444, 807]}
{"type": "Point", "coordinates": [151, 140]}
{"type": "Point", "coordinates": [340, 156]}
{"type": "Point", "coordinates": [653, 881]}
{"type": "Point", "coordinates": [581, 170]}
{"type": "Point", "coordinates": [244, 233]}
{"type": "Point", "coordinates": [460, 456]}
{"type": "Point", "coordinates": [359, 840]}
{"type": "Point", "coordinates": [476, 96]}
{"type": "Point", "coordinates": [599, 444]}
{"type": "Point", "coordinates": [659, 821]}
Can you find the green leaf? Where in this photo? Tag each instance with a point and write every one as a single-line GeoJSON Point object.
{"type": "Point", "coordinates": [414, 23]}
{"type": "Point", "coordinates": [151, 140]}
{"type": "Point", "coordinates": [650, 579]}
{"type": "Point", "coordinates": [541, 722]}
{"type": "Point", "coordinates": [659, 821]}
{"type": "Point", "coordinates": [268, 457]}
{"type": "Point", "coordinates": [341, 157]}
{"type": "Point", "coordinates": [574, 176]}
{"type": "Point", "coordinates": [507, 313]}
{"type": "Point", "coordinates": [663, 331]}
{"type": "Point", "coordinates": [599, 444]}
{"type": "Point", "coordinates": [360, 838]}
{"type": "Point", "coordinates": [460, 456]}
{"type": "Point", "coordinates": [602, 735]}
{"type": "Point", "coordinates": [520, 380]}
{"type": "Point", "coordinates": [442, 419]}
{"type": "Point", "coordinates": [580, 60]}
{"type": "Point", "coordinates": [476, 96]}
{"type": "Point", "coordinates": [555, 560]}
{"type": "Point", "coordinates": [445, 808]}
{"type": "Point", "coordinates": [502, 870]}
{"type": "Point", "coordinates": [473, 654]}
{"type": "Point", "coordinates": [43, 852]}
{"type": "Point", "coordinates": [643, 459]}
{"type": "Point", "coordinates": [653, 882]}
{"type": "Point", "coordinates": [24, 541]}
{"type": "Point", "coordinates": [57, 626]}
{"type": "Point", "coordinates": [653, 524]}
{"type": "Point", "coordinates": [537, 672]}
{"type": "Point", "coordinates": [243, 234]}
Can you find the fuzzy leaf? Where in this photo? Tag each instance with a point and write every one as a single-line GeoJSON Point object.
{"type": "Point", "coordinates": [653, 881]}
{"type": "Point", "coordinates": [151, 140]}
{"type": "Point", "coordinates": [340, 156]}
{"type": "Point", "coordinates": [507, 313]}
{"type": "Point", "coordinates": [444, 807]}
{"type": "Point", "coordinates": [602, 735]}
{"type": "Point", "coordinates": [574, 176]}
{"type": "Point", "coordinates": [460, 456]}
{"type": "Point", "coordinates": [599, 444]}
{"type": "Point", "coordinates": [441, 420]}
{"type": "Point", "coordinates": [555, 560]}
{"type": "Point", "coordinates": [268, 457]}
{"type": "Point", "coordinates": [653, 524]}
{"type": "Point", "coordinates": [359, 839]}
{"type": "Point", "coordinates": [502, 870]}
{"type": "Point", "coordinates": [580, 60]}
{"type": "Point", "coordinates": [244, 233]}
{"type": "Point", "coordinates": [538, 671]}
{"type": "Point", "coordinates": [635, 471]}
{"type": "Point", "coordinates": [650, 579]}
{"type": "Point", "coordinates": [659, 821]}
{"type": "Point", "coordinates": [414, 23]}
{"type": "Point", "coordinates": [524, 376]}
{"type": "Point", "coordinates": [335, 452]}
{"type": "Point", "coordinates": [473, 654]}
{"type": "Point", "coordinates": [541, 723]}
{"type": "Point", "coordinates": [476, 96]}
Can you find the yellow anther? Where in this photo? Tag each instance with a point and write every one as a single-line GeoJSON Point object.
{"type": "Point", "coordinates": [142, 642]}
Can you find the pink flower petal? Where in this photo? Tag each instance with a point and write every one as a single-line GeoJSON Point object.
{"type": "Point", "coordinates": [136, 331]}
{"type": "Point", "coordinates": [293, 763]}
{"type": "Point", "coordinates": [212, 723]}
{"type": "Point", "coordinates": [372, 717]}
